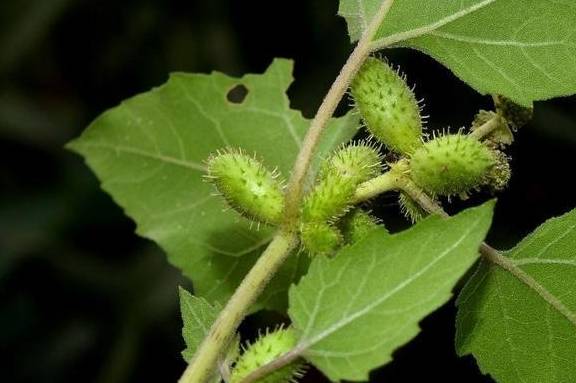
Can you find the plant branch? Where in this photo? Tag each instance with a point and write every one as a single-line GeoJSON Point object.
{"type": "Point", "coordinates": [381, 184]}
{"type": "Point", "coordinates": [424, 200]}
{"type": "Point", "coordinates": [326, 110]}
{"type": "Point", "coordinates": [492, 255]}
{"type": "Point", "coordinates": [203, 365]}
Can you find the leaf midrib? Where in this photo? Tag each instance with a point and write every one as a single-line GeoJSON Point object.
{"type": "Point", "coordinates": [146, 154]}
{"type": "Point", "coordinates": [306, 344]}
{"type": "Point", "coordinates": [508, 265]}
{"type": "Point", "coordinates": [507, 43]}
{"type": "Point", "coordinates": [426, 29]}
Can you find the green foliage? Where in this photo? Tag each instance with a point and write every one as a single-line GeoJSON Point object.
{"type": "Point", "coordinates": [354, 310]}
{"type": "Point", "coordinates": [149, 154]}
{"type": "Point", "coordinates": [388, 106]}
{"type": "Point", "coordinates": [197, 315]}
{"type": "Point", "coordinates": [451, 164]}
{"type": "Point", "coordinates": [525, 330]}
{"type": "Point", "coordinates": [522, 49]}
{"type": "Point", "coordinates": [264, 350]}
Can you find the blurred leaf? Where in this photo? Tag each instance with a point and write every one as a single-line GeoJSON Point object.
{"type": "Point", "coordinates": [149, 154]}
{"type": "Point", "coordinates": [198, 316]}
{"type": "Point", "coordinates": [517, 333]}
{"type": "Point", "coordinates": [354, 310]}
{"type": "Point", "coordinates": [23, 31]}
{"type": "Point", "coordinates": [523, 49]}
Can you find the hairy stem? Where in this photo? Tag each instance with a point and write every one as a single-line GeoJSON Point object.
{"type": "Point", "coordinates": [381, 184]}
{"type": "Point", "coordinates": [326, 110]}
{"type": "Point", "coordinates": [424, 200]}
{"type": "Point", "coordinates": [203, 365]}
{"type": "Point", "coordinates": [494, 256]}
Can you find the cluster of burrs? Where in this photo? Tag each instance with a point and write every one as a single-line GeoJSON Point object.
{"type": "Point", "coordinates": [328, 218]}
{"type": "Point", "coordinates": [444, 164]}
{"type": "Point", "coordinates": [441, 164]}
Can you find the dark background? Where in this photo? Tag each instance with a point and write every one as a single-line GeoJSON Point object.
{"type": "Point", "coordinates": [81, 297]}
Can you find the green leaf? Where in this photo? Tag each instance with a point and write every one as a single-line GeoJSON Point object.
{"type": "Point", "coordinates": [198, 316]}
{"type": "Point", "coordinates": [149, 152]}
{"type": "Point", "coordinates": [523, 49]}
{"type": "Point", "coordinates": [525, 332]}
{"type": "Point", "coordinates": [354, 310]}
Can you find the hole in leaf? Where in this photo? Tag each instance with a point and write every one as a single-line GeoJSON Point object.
{"type": "Point", "coordinates": [237, 94]}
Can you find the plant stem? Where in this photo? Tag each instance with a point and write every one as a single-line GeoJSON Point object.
{"type": "Point", "coordinates": [492, 255]}
{"type": "Point", "coordinates": [326, 110]}
{"type": "Point", "coordinates": [409, 187]}
{"type": "Point", "coordinates": [381, 184]}
{"type": "Point", "coordinates": [486, 128]}
{"type": "Point", "coordinates": [203, 365]}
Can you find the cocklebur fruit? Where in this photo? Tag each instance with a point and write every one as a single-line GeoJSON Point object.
{"type": "Point", "coordinates": [320, 238]}
{"type": "Point", "coordinates": [388, 106]}
{"type": "Point", "coordinates": [329, 200]}
{"type": "Point", "coordinates": [451, 164]}
{"type": "Point", "coordinates": [357, 224]}
{"type": "Point", "coordinates": [410, 208]}
{"type": "Point", "coordinates": [338, 179]}
{"type": "Point", "coordinates": [247, 186]}
{"type": "Point", "coordinates": [267, 348]}
{"type": "Point", "coordinates": [359, 162]}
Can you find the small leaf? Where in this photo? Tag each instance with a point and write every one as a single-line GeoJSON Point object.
{"type": "Point", "coordinates": [149, 154]}
{"type": "Point", "coordinates": [198, 316]}
{"type": "Point", "coordinates": [354, 310]}
{"type": "Point", "coordinates": [520, 332]}
{"type": "Point", "coordinates": [523, 49]}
